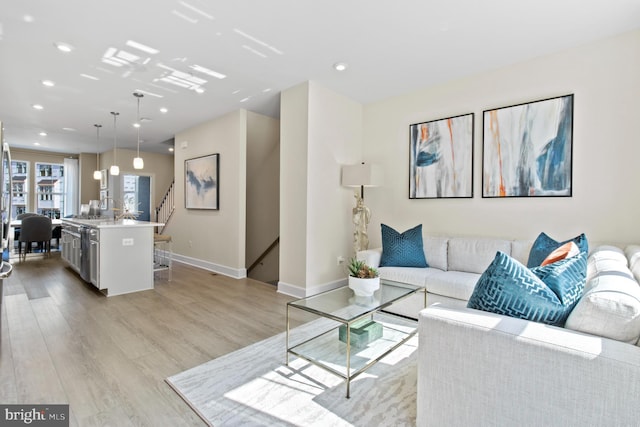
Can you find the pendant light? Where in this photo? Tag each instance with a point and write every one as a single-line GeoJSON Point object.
{"type": "Point", "coordinates": [114, 169]}
{"type": "Point", "coordinates": [96, 173]}
{"type": "Point", "coordinates": [138, 163]}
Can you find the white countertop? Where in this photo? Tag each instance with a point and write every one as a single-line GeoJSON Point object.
{"type": "Point", "coordinates": [18, 222]}
{"type": "Point", "coordinates": [110, 223]}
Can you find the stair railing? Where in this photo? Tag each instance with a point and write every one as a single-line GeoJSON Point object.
{"type": "Point", "coordinates": [271, 247]}
{"type": "Point", "coordinates": [166, 207]}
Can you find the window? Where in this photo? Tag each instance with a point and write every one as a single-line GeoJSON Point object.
{"type": "Point", "coordinates": [20, 188]}
{"type": "Point", "coordinates": [50, 189]}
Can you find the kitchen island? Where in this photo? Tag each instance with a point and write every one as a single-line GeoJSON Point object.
{"type": "Point", "coordinates": [116, 256]}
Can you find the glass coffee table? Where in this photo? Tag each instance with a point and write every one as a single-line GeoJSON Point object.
{"type": "Point", "coordinates": [354, 332]}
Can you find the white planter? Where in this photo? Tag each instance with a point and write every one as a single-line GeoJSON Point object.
{"type": "Point", "coordinates": [364, 287]}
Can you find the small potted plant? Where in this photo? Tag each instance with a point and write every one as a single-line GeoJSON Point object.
{"type": "Point", "coordinates": [363, 279]}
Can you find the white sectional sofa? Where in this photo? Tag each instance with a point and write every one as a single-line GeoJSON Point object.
{"type": "Point", "coordinates": [455, 265]}
{"type": "Point", "coordinates": [485, 369]}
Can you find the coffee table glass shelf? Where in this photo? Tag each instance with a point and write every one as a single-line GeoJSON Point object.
{"type": "Point", "coordinates": [357, 333]}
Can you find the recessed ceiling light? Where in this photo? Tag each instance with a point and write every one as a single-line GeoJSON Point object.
{"type": "Point", "coordinates": [27, 18]}
{"type": "Point", "coordinates": [63, 47]}
{"type": "Point", "coordinates": [208, 71]}
{"type": "Point", "coordinates": [164, 110]}
{"type": "Point", "coordinates": [142, 47]}
{"type": "Point", "coordinates": [37, 106]}
{"type": "Point", "coordinates": [340, 66]}
{"type": "Point", "coordinates": [199, 90]}
{"type": "Point", "coordinates": [36, 143]}
{"type": "Point", "coordinates": [42, 134]}
{"type": "Point", "coordinates": [69, 129]}
{"type": "Point", "coordinates": [48, 83]}
{"type": "Point", "coordinates": [90, 77]}
{"type": "Point", "coordinates": [171, 149]}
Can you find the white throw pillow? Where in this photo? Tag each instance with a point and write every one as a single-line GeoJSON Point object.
{"type": "Point", "coordinates": [610, 308]}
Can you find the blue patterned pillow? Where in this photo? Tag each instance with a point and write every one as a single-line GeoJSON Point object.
{"type": "Point", "coordinates": [544, 245]}
{"type": "Point", "coordinates": [402, 250]}
{"type": "Point", "coordinates": [543, 294]}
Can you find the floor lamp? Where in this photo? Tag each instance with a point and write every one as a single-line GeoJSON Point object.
{"type": "Point", "coordinates": [362, 175]}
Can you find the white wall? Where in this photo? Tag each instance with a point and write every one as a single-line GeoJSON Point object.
{"type": "Point", "coordinates": [214, 240]}
{"type": "Point", "coordinates": [294, 107]}
{"type": "Point", "coordinates": [604, 77]}
{"type": "Point", "coordinates": [320, 131]}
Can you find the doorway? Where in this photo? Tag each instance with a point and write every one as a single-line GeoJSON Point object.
{"type": "Point", "coordinates": [136, 195]}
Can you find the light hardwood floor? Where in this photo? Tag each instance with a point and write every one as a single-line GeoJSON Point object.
{"type": "Point", "coordinates": [63, 342]}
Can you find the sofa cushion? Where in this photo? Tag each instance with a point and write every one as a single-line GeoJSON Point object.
{"type": "Point", "coordinates": [474, 255]}
{"type": "Point", "coordinates": [609, 252]}
{"type": "Point", "coordinates": [520, 250]}
{"type": "Point", "coordinates": [452, 284]}
{"type": "Point", "coordinates": [633, 254]}
{"type": "Point", "coordinates": [544, 245]}
{"type": "Point", "coordinates": [412, 275]}
{"type": "Point", "coordinates": [610, 307]}
{"type": "Point", "coordinates": [402, 249]}
{"type": "Point", "coordinates": [597, 266]}
{"type": "Point", "coordinates": [435, 250]}
{"type": "Point", "coordinates": [508, 287]}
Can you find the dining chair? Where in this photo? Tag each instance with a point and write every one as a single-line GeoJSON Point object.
{"type": "Point", "coordinates": [16, 230]}
{"type": "Point", "coordinates": [35, 229]}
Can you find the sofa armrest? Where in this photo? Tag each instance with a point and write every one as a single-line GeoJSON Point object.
{"type": "Point", "coordinates": [478, 368]}
{"type": "Point", "coordinates": [370, 256]}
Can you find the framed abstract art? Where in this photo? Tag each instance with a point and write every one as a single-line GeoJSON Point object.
{"type": "Point", "coordinates": [441, 158]}
{"type": "Point", "coordinates": [527, 149]}
{"type": "Point", "coordinates": [202, 182]}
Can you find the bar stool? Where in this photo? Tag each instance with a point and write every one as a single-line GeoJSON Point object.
{"type": "Point", "coordinates": [162, 253]}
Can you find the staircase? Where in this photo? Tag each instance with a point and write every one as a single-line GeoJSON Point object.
{"type": "Point", "coordinates": [166, 207]}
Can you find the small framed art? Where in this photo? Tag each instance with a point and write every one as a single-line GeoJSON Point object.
{"type": "Point", "coordinates": [103, 179]}
{"type": "Point", "coordinates": [104, 201]}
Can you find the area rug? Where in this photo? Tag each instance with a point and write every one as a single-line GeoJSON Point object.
{"type": "Point", "coordinates": [253, 386]}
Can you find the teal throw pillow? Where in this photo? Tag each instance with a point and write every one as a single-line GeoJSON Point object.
{"type": "Point", "coordinates": [544, 245]}
{"type": "Point", "coordinates": [543, 294]}
{"type": "Point", "coordinates": [402, 249]}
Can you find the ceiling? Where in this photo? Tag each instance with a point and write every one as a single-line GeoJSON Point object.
{"type": "Point", "coordinates": [243, 53]}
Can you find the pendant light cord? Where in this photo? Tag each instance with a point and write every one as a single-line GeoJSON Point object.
{"type": "Point", "coordinates": [97, 145]}
{"type": "Point", "coordinates": [139, 125]}
{"type": "Point", "coordinates": [138, 95]}
{"type": "Point", "coordinates": [115, 139]}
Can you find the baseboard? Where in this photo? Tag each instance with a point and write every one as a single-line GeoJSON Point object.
{"type": "Point", "coordinates": [236, 273]}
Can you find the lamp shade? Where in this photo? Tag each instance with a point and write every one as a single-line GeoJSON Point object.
{"type": "Point", "coordinates": [362, 175]}
{"type": "Point", "coordinates": [97, 174]}
{"type": "Point", "coordinates": [138, 163]}
{"type": "Point", "coordinates": [114, 170]}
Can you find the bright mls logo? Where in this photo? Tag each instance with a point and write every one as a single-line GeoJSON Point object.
{"type": "Point", "coordinates": [34, 415]}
